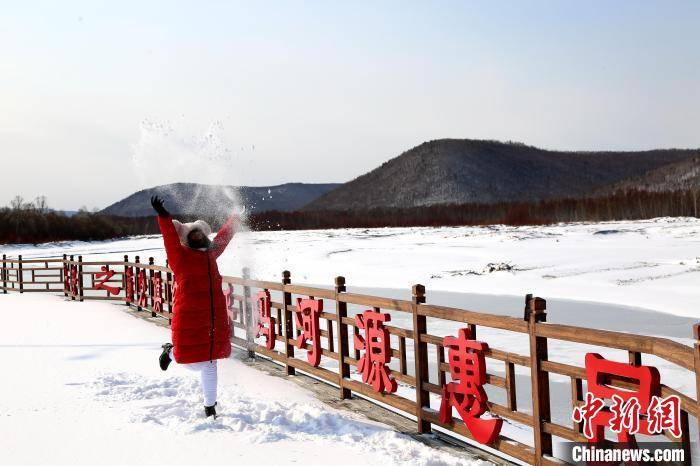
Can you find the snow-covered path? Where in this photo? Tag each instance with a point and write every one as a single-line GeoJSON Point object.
{"type": "Point", "coordinates": [81, 386]}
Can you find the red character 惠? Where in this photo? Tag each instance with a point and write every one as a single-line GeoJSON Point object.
{"type": "Point", "coordinates": [307, 313]}
{"type": "Point", "coordinates": [466, 391]}
{"type": "Point", "coordinates": [265, 318]}
{"type": "Point", "coordinates": [376, 343]}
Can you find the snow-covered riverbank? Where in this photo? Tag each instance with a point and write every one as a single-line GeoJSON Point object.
{"type": "Point", "coordinates": [652, 264]}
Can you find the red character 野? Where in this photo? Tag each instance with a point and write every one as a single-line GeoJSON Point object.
{"type": "Point", "coordinates": [466, 391]}
{"type": "Point", "coordinates": [308, 311]}
{"type": "Point", "coordinates": [374, 362]}
{"type": "Point", "coordinates": [265, 318]}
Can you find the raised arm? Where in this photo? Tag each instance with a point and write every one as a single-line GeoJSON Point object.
{"type": "Point", "coordinates": [223, 237]}
{"type": "Point", "coordinates": [173, 248]}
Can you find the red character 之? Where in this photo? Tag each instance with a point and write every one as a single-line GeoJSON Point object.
{"type": "Point", "coordinates": [102, 285]}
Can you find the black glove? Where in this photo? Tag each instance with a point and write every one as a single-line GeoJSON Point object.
{"type": "Point", "coordinates": [157, 204]}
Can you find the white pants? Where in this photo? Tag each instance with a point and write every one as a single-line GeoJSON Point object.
{"type": "Point", "coordinates": [208, 375]}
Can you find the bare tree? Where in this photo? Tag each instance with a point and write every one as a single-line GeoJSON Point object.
{"type": "Point", "coordinates": [17, 202]}
{"type": "Point", "coordinates": [41, 204]}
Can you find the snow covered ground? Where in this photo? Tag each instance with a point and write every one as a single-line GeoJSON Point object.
{"type": "Point", "coordinates": [652, 264]}
{"type": "Point", "coordinates": [81, 386]}
{"type": "Point", "coordinates": [627, 276]}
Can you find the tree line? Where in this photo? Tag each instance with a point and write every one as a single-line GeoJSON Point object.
{"type": "Point", "coordinates": [622, 205]}
{"type": "Point", "coordinates": [34, 222]}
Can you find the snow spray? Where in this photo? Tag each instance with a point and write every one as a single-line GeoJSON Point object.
{"type": "Point", "coordinates": [168, 153]}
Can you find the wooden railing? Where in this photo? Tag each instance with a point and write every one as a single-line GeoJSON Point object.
{"type": "Point", "coordinates": [420, 384]}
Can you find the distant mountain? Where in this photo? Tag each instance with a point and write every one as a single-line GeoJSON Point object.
{"type": "Point", "coordinates": [681, 175]}
{"type": "Point", "coordinates": [475, 171]}
{"type": "Point", "coordinates": [198, 199]}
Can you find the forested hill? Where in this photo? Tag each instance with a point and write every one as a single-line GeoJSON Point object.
{"type": "Point", "coordinates": [198, 199]}
{"type": "Point", "coordinates": [463, 171]}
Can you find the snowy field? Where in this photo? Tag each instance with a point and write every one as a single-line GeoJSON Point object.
{"type": "Point", "coordinates": [81, 386]}
{"type": "Point", "coordinates": [625, 276]}
{"type": "Point", "coordinates": [652, 264]}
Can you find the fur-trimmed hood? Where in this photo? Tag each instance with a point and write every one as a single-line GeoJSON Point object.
{"type": "Point", "coordinates": [184, 229]}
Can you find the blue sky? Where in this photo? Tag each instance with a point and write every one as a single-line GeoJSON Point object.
{"type": "Point", "coordinates": [325, 91]}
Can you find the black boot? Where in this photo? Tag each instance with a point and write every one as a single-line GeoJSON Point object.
{"type": "Point", "coordinates": [165, 356]}
{"type": "Point", "coordinates": [210, 410]}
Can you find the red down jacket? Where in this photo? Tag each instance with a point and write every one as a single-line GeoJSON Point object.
{"type": "Point", "coordinates": [200, 326]}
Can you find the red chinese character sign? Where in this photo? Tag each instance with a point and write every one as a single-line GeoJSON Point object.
{"type": "Point", "coordinates": [74, 277]}
{"type": "Point", "coordinates": [376, 344]}
{"type": "Point", "coordinates": [66, 278]}
{"type": "Point", "coordinates": [158, 292]}
{"type": "Point", "coordinates": [142, 289]}
{"type": "Point", "coordinates": [228, 294]}
{"type": "Point", "coordinates": [129, 284]}
{"type": "Point", "coordinates": [631, 412]}
{"type": "Point", "coordinates": [266, 323]}
{"type": "Point", "coordinates": [105, 275]}
{"type": "Point", "coordinates": [308, 311]}
{"type": "Point", "coordinates": [466, 391]}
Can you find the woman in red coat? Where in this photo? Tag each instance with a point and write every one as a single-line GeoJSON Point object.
{"type": "Point", "coordinates": [200, 325]}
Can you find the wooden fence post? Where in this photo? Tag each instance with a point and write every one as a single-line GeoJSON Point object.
{"type": "Point", "coordinates": [125, 279]}
{"type": "Point", "coordinates": [81, 292]}
{"type": "Point", "coordinates": [169, 293]}
{"type": "Point", "coordinates": [71, 289]}
{"type": "Point", "coordinates": [249, 330]}
{"type": "Point", "coordinates": [65, 275]}
{"type": "Point", "coordinates": [150, 288]}
{"type": "Point", "coordinates": [420, 349]}
{"type": "Point", "coordinates": [536, 312]}
{"type": "Point", "coordinates": [136, 282]}
{"type": "Point", "coordinates": [288, 324]}
{"type": "Point", "coordinates": [4, 274]}
{"type": "Point", "coordinates": [341, 311]}
{"type": "Point", "coordinates": [20, 274]}
{"type": "Point", "coordinates": [696, 352]}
